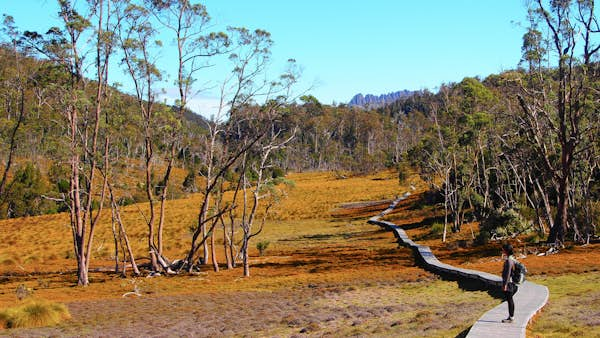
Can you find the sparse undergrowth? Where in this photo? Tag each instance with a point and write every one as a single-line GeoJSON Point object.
{"type": "Point", "coordinates": [573, 309]}
{"type": "Point", "coordinates": [377, 306]}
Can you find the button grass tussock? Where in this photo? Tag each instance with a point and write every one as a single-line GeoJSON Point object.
{"type": "Point", "coordinates": [33, 313]}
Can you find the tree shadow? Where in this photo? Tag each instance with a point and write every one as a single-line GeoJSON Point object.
{"type": "Point", "coordinates": [429, 221]}
{"type": "Point", "coordinates": [464, 333]}
{"type": "Point", "coordinates": [464, 283]}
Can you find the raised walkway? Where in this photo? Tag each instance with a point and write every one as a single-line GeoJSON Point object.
{"type": "Point", "coordinates": [529, 299]}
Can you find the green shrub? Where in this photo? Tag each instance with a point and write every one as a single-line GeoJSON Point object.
{"type": "Point", "coordinates": [277, 172]}
{"type": "Point", "coordinates": [534, 238]}
{"type": "Point", "coordinates": [404, 172]}
{"type": "Point", "coordinates": [63, 186]}
{"type": "Point", "coordinates": [27, 188]}
{"type": "Point", "coordinates": [124, 201]}
{"type": "Point", "coordinates": [262, 246]}
{"type": "Point", "coordinates": [483, 237]}
{"type": "Point", "coordinates": [502, 223]}
{"type": "Point", "coordinates": [437, 228]}
{"type": "Point", "coordinates": [34, 313]}
{"type": "Point", "coordinates": [189, 182]}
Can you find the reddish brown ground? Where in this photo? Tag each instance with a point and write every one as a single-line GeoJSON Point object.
{"type": "Point", "coordinates": [460, 251]}
{"type": "Point", "coordinates": [362, 285]}
{"type": "Point", "coordinates": [346, 279]}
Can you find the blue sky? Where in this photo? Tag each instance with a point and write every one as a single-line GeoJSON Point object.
{"type": "Point", "coordinates": [375, 46]}
{"type": "Point", "coordinates": [379, 46]}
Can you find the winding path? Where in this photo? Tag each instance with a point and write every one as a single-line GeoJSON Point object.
{"type": "Point", "coordinates": [529, 300]}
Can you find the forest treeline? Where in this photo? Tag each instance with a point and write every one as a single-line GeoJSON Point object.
{"type": "Point", "coordinates": [327, 138]}
{"type": "Point", "coordinates": [516, 151]}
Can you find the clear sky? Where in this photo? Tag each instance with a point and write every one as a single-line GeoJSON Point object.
{"type": "Point", "coordinates": [370, 46]}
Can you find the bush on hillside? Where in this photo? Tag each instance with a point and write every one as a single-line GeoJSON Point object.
{"type": "Point", "coordinates": [25, 194]}
{"type": "Point", "coordinates": [502, 223]}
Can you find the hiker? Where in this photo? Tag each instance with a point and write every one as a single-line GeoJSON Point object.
{"type": "Point", "coordinates": [508, 287]}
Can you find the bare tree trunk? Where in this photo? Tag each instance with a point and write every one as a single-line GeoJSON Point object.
{"type": "Point", "coordinates": [226, 245]}
{"type": "Point", "coordinates": [78, 223]}
{"type": "Point", "coordinates": [163, 199]}
{"type": "Point", "coordinates": [486, 180]}
{"type": "Point", "coordinates": [205, 252]}
{"type": "Point", "coordinates": [125, 238]}
{"type": "Point", "coordinates": [446, 197]}
{"type": "Point", "coordinates": [95, 219]}
{"type": "Point", "coordinates": [558, 232]}
{"type": "Point", "coordinates": [116, 241]}
{"type": "Point", "coordinates": [232, 216]}
{"type": "Point", "coordinates": [213, 251]}
{"type": "Point", "coordinates": [546, 203]}
{"type": "Point", "coordinates": [245, 258]}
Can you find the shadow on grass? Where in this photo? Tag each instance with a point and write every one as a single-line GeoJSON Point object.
{"type": "Point", "coordinates": [425, 222]}
{"type": "Point", "coordinates": [345, 236]}
{"type": "Point", "coordinates": [480, 251]}
{"type": "Point", "coordinates": [464, 333]}
{"type": "Point", "coordinates": [468, 284]}
{"type": "Point", "coordinates": [340, 258]}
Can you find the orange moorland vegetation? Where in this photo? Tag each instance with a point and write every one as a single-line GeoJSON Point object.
{"type": "Point", "coordinates": [325, 272]}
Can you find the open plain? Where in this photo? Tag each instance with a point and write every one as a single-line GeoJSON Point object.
{"type": "Point", "coordinates": [326, 272]}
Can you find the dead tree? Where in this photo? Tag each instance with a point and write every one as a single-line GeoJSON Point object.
{"type": "Point", "coordinates": [556, 105]}
{"type": "Point", "coordinates": [137, 38]}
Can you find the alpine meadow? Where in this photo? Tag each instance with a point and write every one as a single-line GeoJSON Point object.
{"type": "Point", "coordinates": [130, 207]}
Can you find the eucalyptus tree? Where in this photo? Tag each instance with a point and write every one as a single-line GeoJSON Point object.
{"type": "Point", "coordinates": [67, 47]}
{"type": "Point", "coordinates": [432, 154]}
{"type": "Point", "coordinates": [559, 104]}
{"type": "Point", "coordinates": [137, 40]}
{"type": "Point", "coordinates": [225, 146]}
{"type": "Point", "coordinates": [453, 153]}
{"type": "Point", "coordinates": [196, 47]}
{"type": "Point", "coordinates": [255, 169]}
{"type": "Point", "coordinates": [104, 45]}
{"type": "Point", "coordinates": [258, 128]}
{"type": "Point", "coordinates": [106, 112]}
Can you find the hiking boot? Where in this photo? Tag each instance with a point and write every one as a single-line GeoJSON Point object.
{"type": "Point", "coordinates": [508, 320]}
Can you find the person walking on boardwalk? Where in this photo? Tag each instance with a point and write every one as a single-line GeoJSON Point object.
{"type": "Point", "coordinates": [508, 287]}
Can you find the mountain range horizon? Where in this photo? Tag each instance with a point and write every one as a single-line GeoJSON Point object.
{"type": "Point", "coordinates": [377, 101]}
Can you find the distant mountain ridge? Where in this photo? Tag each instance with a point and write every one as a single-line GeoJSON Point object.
{"type": "Point", "coordinates": [373, 101]}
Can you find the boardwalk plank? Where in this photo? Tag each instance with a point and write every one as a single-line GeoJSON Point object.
{"type": "Point", "coordinates": [529, 300]}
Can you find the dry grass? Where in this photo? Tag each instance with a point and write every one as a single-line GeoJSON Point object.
{"type": "Point", "coordinates": [373, 307]}
{"type": "Point", "coordinates": [42, 244]}
{"type": "Point", "coordinates": [33, 313]}
{"type": "Point", "coordinates": [573, 309]}
{"type": "Point", "coordinates": [325, 273]}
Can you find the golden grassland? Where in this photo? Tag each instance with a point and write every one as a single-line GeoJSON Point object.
{"type": "Point", "coordinates": [41, 244]}
{"type": "Point", "coordinates": [325, 272]}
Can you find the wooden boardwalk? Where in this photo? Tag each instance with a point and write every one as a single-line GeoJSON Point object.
{"type": "Point", "coordinates": [529, 299]}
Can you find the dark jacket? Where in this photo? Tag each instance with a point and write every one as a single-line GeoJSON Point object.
{"type": "Point", "coordinates": [507, 269]}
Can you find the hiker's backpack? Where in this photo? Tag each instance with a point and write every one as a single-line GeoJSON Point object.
{"type": "Point", "coordinates": [519, 272]}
